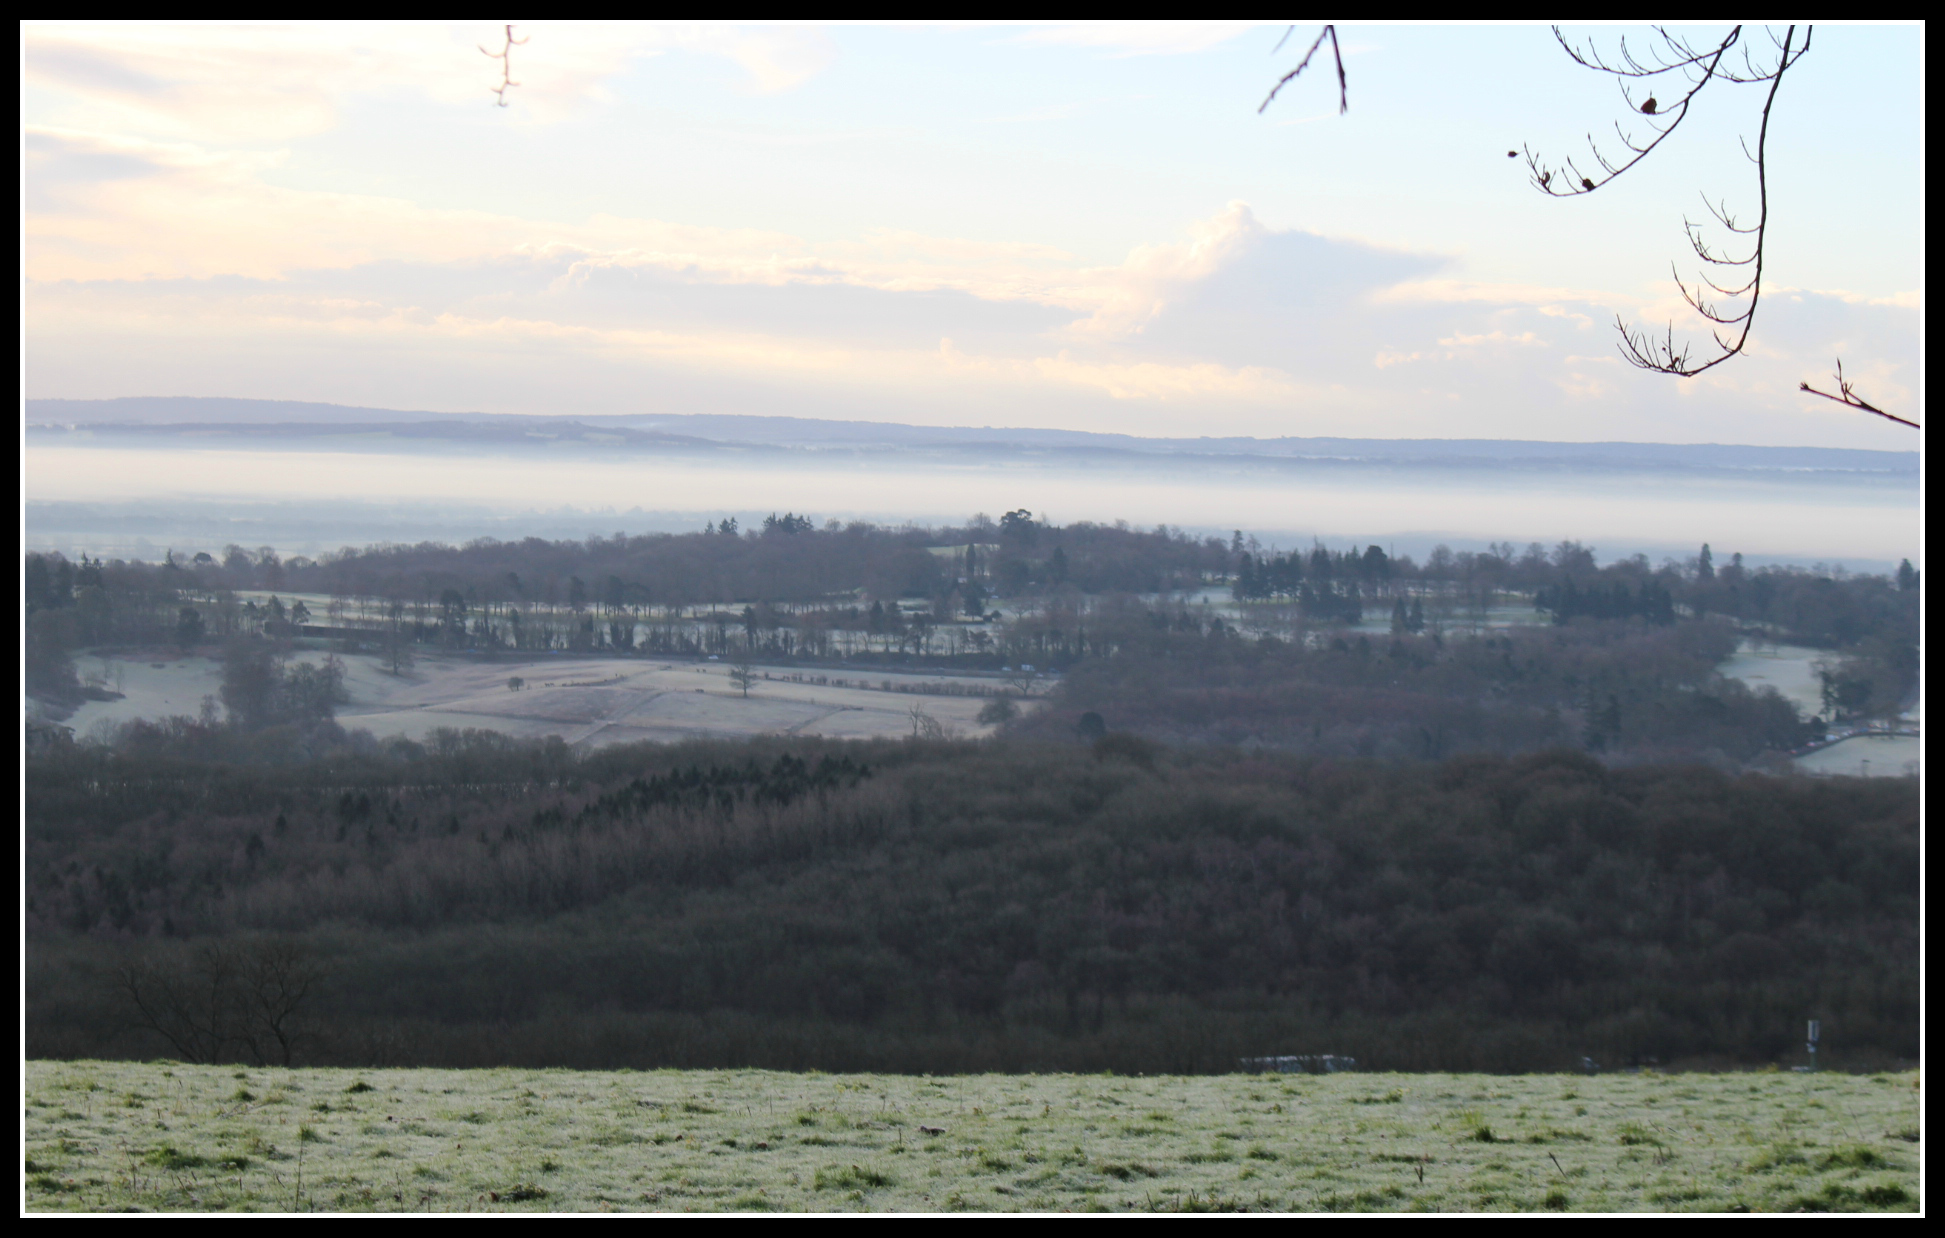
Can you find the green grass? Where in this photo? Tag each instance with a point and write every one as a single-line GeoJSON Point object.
{"type": "Point", "coordinates": [114, 1136]}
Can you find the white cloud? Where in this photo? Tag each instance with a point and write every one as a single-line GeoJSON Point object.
{"type": "Point", "coordinates": [1461, 340]}
{"type": "Point", "coordinates": [277, 81]}
{"type": "Point", "coordinates": [1138, 38]}
{"type": "Point", "coordinates": [777, 58]}
{"type": "Point", "coordinates": [1245, 328]}
{"type": "Point", "coordinates": [1127, 380]}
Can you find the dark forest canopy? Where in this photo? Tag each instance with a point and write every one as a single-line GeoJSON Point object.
{"type": "Point", "coordinates": [918, 906]}
{"type": "Point", "coordinates": [1646, 691]}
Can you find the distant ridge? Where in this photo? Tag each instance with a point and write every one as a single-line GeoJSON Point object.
{"type": "Point", "coordinates": [204, 416]}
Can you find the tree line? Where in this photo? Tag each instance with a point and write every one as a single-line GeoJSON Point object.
{"type": "Point", "coordinates": [597, 592]}
{"type": "Point", "coordinates": [1631, 690]}
{"type": "Point", "coordinates": [937, 906]}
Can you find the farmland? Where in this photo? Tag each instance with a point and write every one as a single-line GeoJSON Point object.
{"type": "Point", "coordinates": [106, 1136]}
{"type": "Point", "coordinates": [591, 701]}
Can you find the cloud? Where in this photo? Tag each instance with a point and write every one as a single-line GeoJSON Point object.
{"type": "Point", "coordinates": [777, 58]}
{"type": "Point", "coordinates": [176, 208]}
{"type": "Point", "coordinates": [1524, 339]}
{"type": "Point", "coordinates": [1137, 38]}
{"type": "Point", "coordinates": [113, 207]}
{"type": "Point", "coordinates": [1247, 329]}
{"type": "Point", "coordinates": [1126, 380]}
{"type": "Point", "coordinates": [278, 81]}
{"type": "Point", "coordinates": [1244, 294]}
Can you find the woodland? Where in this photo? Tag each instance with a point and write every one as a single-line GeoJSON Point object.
{"type": "Point", "coordinates": [919, 906]}
{"type": "Point", "coordinates": [1428, 843]}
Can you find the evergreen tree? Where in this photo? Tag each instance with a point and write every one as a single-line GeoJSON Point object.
{"type": "Point", "coordinates": [1376, 565]}
{"type": "Point", "coordinates": [1245, 586]}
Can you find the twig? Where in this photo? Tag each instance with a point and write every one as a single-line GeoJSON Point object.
{"type": "Point", "coordinates": [1637, 347]}
{"type": "Point", "coordinates": [505, 57]}
{"type": "Point", "coordinates": [1343, 89]}
{"type": "Point", "coordinates": [1850, 399]}
{"type": "Point", "coordinates": [1575, 183]}
{"type": "Point", "coordinates": [1694, 70]}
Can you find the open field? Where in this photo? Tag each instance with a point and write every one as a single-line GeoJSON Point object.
{"type": "Point", "coordinates": [114, 1136]}
{"type": "Point", "coordinates": [585, 700]}
{"type": "Point", "coordinates": [597, 700]}
{"type": "Point", "coordinates": [1867, 755]}
{"type": "Point", "coordinates": [1790, 669]}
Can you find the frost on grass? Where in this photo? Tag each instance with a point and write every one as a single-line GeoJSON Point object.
{"type": "Point", "coordinates": [114, 1136]}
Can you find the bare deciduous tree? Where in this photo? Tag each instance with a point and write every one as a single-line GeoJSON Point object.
{"type": "Point", "coordinates": [276, 978]}
{"type": "Point", "coordinates": [397, 639]}
{"type": "Point", "coordinates": [187, 1004]}
{"type": "Point", "coordinates": [742, 671]}
{"type": "Point", "coordinates": [925, 726]}
{"type": "Point", "coordinates": [222, 1001]}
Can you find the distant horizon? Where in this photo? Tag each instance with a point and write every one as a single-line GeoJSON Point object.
{"type": "Point", "coordinates": [1073, 226]}
{"type": "Point", "coordinates": [392, 414]}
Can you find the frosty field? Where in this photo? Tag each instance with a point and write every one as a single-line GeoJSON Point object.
{"type": "Point", "coordinates": [586, 700]}
{"type": "Point", "coordinates": [105, 1136]}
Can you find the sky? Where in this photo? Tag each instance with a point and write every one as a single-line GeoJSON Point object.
{"type": "Point", "coordinates": [1082, 226]}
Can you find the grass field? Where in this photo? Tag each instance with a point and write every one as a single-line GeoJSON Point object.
{"type": "Point", "coordinates": [586, 700]}
{"type": "Point", "coordinates": [104, 1136]}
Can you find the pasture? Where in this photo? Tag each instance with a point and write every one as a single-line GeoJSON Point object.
{"type": "Point", "coordinates": [585, 700]}
{"type": "Point", "coordinates": [1790, 669]}
{"type": "Point", "coordinates": [115, 1136]}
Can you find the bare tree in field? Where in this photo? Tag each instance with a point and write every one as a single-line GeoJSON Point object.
{"type": "Point", "coordinates": [221, 1002]}
{"type": "Point", "coordinates": [925, 726]}
{"type": "Point", "coordinates": [1023, 679]}
{"type": "Point", "coordinates": [277, 979]}
{"type": "Point", "coordinates": [187, 1005]}
{"type": "Point", "coordinates": [398, 639]}
{"type": "Point", "coordinates": [742, 671]}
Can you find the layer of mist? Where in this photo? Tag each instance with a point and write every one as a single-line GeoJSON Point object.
{"type": "Point", "coordinates": [139, 502]}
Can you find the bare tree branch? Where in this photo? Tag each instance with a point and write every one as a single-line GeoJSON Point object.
{"type": "Point", "coordinates": [505, 57]}
{"type": "Point", "coordinates": [1707, 63]}
{"type": "Point", "coordinates": [1639, 348]}
{"type": "Point", "coordinates": [1343, 89]}
{"type": "Point", "coordinates": [1730, 307]}
{"type": "Point", "coordinates": [1849, 399]}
